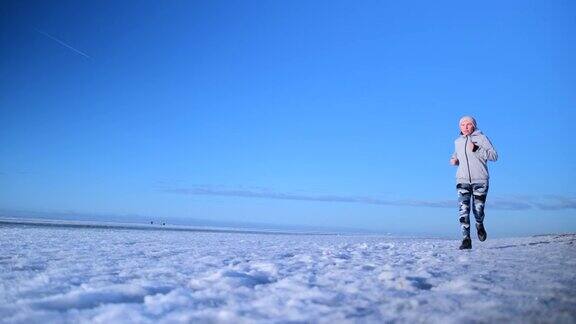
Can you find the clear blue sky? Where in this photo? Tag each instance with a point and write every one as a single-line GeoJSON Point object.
{"type": "Point", "coordinates": [303, 113]}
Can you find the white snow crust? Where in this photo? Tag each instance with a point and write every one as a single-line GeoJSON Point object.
{"type": "Point", "coordinates": [107, 275]}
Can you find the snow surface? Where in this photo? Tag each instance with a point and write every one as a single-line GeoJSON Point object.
{"type": "Point", "coordinates": [105, 275]}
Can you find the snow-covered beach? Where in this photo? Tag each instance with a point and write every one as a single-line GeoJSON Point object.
{"type": "Point", "coordinates": [106, 275]}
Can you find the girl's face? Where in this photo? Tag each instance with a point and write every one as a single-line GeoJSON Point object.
{"type": "Point", "coordinates": [466, 127]}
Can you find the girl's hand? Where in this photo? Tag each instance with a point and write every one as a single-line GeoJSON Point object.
{"type": "Point", "coordinates": [454, 161]}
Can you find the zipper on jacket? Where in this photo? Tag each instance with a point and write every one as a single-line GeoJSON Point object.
{"type": "Point", "coordinates": [467, 163]}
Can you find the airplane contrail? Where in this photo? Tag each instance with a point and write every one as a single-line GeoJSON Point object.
{"type": "Point", "coordinates": [62, 43]}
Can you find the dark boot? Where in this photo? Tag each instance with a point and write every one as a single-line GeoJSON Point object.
{"type": "Point", "coordinates": [481, 232]}
{"type": "Point", "coordinates": [466, 244]}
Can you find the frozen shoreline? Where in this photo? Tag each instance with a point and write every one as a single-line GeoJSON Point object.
{"type": "Point", "coordinates": [143, 226]}
{"type": "Point", "coordinates": [70, 274]}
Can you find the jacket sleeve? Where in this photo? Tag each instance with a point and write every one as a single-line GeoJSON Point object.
{"type": "Point", "coordinates": [486, 150]}
{"type": "Point", "coordinates": [455, 154]}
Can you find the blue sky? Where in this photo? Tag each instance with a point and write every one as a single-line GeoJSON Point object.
{"type": "Point", "coordinates": [287, 113]}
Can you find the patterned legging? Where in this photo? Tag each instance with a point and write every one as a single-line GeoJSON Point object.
{"type": "Point", "coordinates": [475, 192]}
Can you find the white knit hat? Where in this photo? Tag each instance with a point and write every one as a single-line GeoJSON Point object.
{"type": "Point", "coordinates": [469, 118]}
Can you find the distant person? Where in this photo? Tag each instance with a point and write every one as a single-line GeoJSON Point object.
{"type": "Point", "coordinates": [472, 152]}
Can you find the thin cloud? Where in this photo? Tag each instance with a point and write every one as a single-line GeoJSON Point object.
{"type": "Point", "coordinates": [547, 202]}
{"type": "Point", "coordinates": [555, 202]}
{"type": "Point", "coordinates": [77, 51]}
{"type": "Point", "coordinates": [267, 194]}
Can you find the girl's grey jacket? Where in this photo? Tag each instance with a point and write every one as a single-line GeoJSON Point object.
{"type": "Point", "coordinates": [472, 167]}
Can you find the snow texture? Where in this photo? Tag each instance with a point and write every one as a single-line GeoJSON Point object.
{"type": "Point", "coordinates": [107, 275]}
